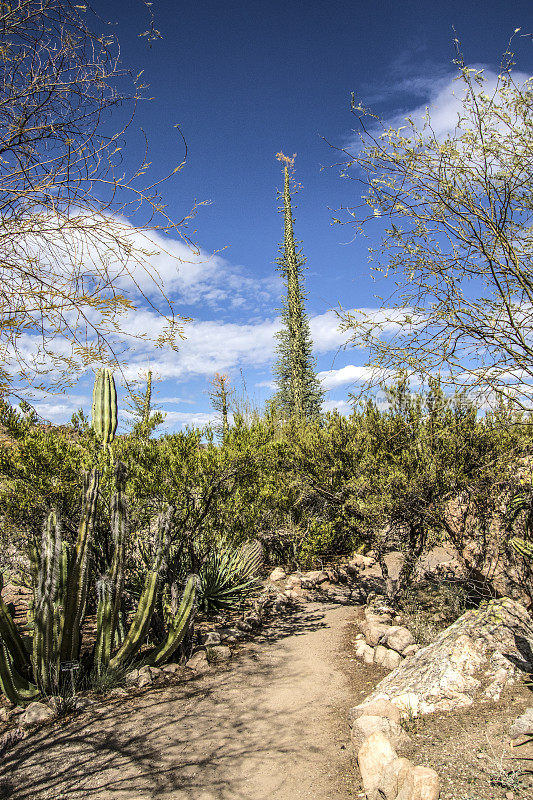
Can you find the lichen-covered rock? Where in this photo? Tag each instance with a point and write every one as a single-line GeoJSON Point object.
{"type": "Point", "coordinates": [35, 714]}
{"type": "Point", "coordinates": [483, 651]}
{"type": "Point", "coordinates": [218, 653]}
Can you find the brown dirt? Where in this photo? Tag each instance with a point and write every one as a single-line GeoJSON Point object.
{"type": "Point", "coordinates": [271, 725]}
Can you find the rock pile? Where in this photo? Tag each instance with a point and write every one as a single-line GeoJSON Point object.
{"type": "Point", "coordinates": [478, 655]}
{"type": "Point", "coordinates": [381, 642]}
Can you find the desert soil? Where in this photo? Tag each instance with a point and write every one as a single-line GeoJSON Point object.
{"type": "Point", "coordinates": [272, 724]}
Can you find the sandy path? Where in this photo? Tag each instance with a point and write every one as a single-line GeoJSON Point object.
{"type": "Point", "coordinates": [270, 727]}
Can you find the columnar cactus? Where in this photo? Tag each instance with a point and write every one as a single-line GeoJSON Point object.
{"type": "Point", "coordinates": [521, 546]}
{"type": "Point", "coordinates": [104, 408]}
{"type": "Point", "coordinates": [78, 572]}
{"type": "Point", "coordinates": [180, 624]}
{"type": "Point", "coordinates": [141, 621]}
{"type": "Point", "coordinates": [110, 587]}
{"type": "Point", "coordinates": [12, 638]}
{"type": "Point", "coordinates": [45, 658]}
{"type": "Point", "coordinates": [18, 689]}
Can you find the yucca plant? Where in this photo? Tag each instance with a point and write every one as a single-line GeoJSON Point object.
{"type": "Point", "coordinates": [228, 576]}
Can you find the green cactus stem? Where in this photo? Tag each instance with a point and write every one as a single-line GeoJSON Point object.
{"type": "Point", "coordinates": [141, 621]}
{"type": "Point", "coordinates": [110, 587]}
{"type": "Point", "coordinates": [78, 572]}
{"type": "Point", "coordinates": [13, 640]}
{"type": "Point", "coordinates": [45, 658]}
{"type": "Point", "coordinates": [180, 625]}
{"type": "Point", "coordinates": [104, 408]}
{"type": "Point", "coordinates": [14, 686]}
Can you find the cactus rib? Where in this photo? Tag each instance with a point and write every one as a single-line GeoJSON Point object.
{"type": "Point", "coordinates": [181, 623]}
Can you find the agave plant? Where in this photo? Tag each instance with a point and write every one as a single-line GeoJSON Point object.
{"type": "Point", "coordinates": [228, 575]}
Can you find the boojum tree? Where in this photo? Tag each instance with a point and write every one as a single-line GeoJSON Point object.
{"type": "Point", "coordinates": [299, 392]}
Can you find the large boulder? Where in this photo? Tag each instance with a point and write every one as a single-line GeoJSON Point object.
{"type": "Point", "coordinates": [482, 652]}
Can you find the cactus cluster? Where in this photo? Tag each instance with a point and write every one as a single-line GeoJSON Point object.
{"type": "Point", "coordinates": [61, 583]}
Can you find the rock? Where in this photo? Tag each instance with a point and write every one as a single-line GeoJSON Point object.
{"type": "Point", "coordinates": [83, 702]}
{"type": "Point", "coordinates": [374, 631]}
{"type": "Point", "coordinates": [396, 774]}
{"type": "Point", "coordinates": [172, 669]}
{"type": "Point", "coordinates": [397, 638]}
{"type": "Point", "coordinates": [277, 574]}
{"type": "Point", "coordinates": [351, 570]}
{"type": "Point", "coordinates": [362, 562]}
{"type": "Point", "coordinates": [485, 647]}
{"type": "Point", "coordinates": [381, 617]}
{"type": "Point", "coordinates": [293, 581]}
{"type": "Point", "coordinates": [244, 626]}
{"type": "Point", "coordinates": [344, 575]}
{"type": "Point", "coordinates": [211, 638]}
{"type": "Point", "coordinates": [384, 657]}
{"type": "Point", "coordinates": [118, 692]}
{"type": "Point", "coordinates": [379, 708]}
{"type": "Point", "coordinates": [36, 713]}
{"type": "Point", "coordinates": [218, 653]}
{"type": "Point", "coordinates": [373, 756]}
{"type": "Point", "coordinates": [523, 725]}
{"type": "Point", "coordinates": [10, 738]}
{"type": "Point", "coordinates": [421, 784]}
{"type": "Point", "coordinates": [364, 652]}
{"type": "Point", "coordinates": [253, 619]}
{"type": "Point", "coordinates": [198, 661]}
{"type": "Point", "coordinates": [333, 575]}
{"type": "Point", "coordinates": [411, 650]}
{"type": "Point", "coordinates": [132, 677]}
{"type": "Point", "coordinates": [230, 635]}
{"type": "Point", "coordinates": [4, 715]}
{"type": "Point", "coordinates": [365, 725]}
{"type": "Point", "coordinates": [144, 680]}
{"type": "Point", "coordinates": [291, 595]}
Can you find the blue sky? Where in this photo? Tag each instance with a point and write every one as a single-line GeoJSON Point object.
{"type": "Point", "coordinates": [245, 80]}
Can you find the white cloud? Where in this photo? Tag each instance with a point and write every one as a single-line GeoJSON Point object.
{"type": "Point", "coordinates": [341, 406]}
{"type": "Point", "coordinates": [333, 378]}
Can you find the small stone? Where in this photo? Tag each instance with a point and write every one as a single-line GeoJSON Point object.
{"type": "Point", "coordinates": [523, 725]}
{"type": "Point", "coordinates": [132, 677]}
{"type": "Point", "coordinates": [4, 715]}
{"type": "Point", "coordinates": [397, 638]}
{"type": "Point", "coordinates": [144, 680]}
{"type": "Point", "coordinates": [384, 657]}
{"type": "Point", "coordinates": [218, 653]}
{"type": "Point", "coordinates": [509, 795]}
{"type": "Point", "coordinates": [410, 650]}
{"type": "Point", "coordinates": [118, 692]}
{"type": "Point", "coordinates": [244, 626]}
{"type": "Point", "coordinates": [36, 713]}
{"type": "Point", "coordinates": [277, 574]}
{"type": "Point", "coordinates": [253, 619]}
{"type": "Point", "coordinates": [366, 725]}
{"type": "Point", "coordinates": [374, 631]}
{"type": "Point", "coordinates": [172, 669]}
{"type": "Point", "coordinates": [211, 638]}
{"type": "Point", "coordinates": [198, 661]}
{"type": "Point", "coordinates": [378, 708]}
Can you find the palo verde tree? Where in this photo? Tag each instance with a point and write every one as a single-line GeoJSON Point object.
{"type": "Point", "coordinates": [299, 392]}
{"type": "Point", "coordinates": [458, 238]}
{"type": "Point", "coordinates": [67, 250]}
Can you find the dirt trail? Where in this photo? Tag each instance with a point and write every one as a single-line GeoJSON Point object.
{"type": "Point", "coordinates": [272, 726]}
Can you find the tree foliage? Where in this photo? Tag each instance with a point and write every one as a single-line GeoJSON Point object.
{"type": "Point", "coordinates": [458, 238]}
{"type": "Point", "coordinates": [66, 246]}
